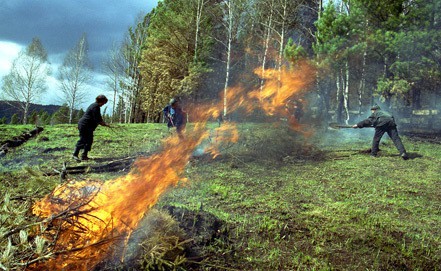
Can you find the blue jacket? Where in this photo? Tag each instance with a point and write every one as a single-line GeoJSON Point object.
{"type": "Point", "coordinates": [176, 117]}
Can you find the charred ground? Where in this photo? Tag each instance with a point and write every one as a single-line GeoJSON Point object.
{"type": "Point", "coordinates": [275, 200]}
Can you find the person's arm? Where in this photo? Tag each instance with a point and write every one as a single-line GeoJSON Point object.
{"type": "Point", "coordinates": [364, 123]}
{"type": "Point", "coordinates": [166, 111]}
{"type": "Point", "coordinates": [103, 123]}
{"type": "Point", "coordinates": [98, 118]}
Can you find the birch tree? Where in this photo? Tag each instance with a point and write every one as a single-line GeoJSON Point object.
{"type": "Point", "coordinates": [232, 13]}
{"type": "Point", "coordinates": [74, 75]}
{"type": "Point", "coordinates": [265, 15]}
{"type": "Point", "coordinates": [132, 83]}
{"type": "Point", "coordinates": [200, 5]}
{"type": "Point", "coordinates": [114, 70]}
{"type": "Point", "coordinates": [26, 80]}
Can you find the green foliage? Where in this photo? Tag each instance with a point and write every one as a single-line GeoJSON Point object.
{"type": "Point", "coordinates": [33, 118]}
{"type": "Point", "coordinates": [387, 88]}
{"type": "Point", "coordinates": [44, 118]}
{"type": "Point", "coordinates": [294, 52]}
{"type": "Point", "coordinates": [3, 120]}
{"type": "Point", "coordinates": [15, 119]}
{"type": "Point", "coordinates": [398, 35]}
{"type": "Point", "coordinates": [61, 115]}
{"type": "Point", "coordinates": [170, 65]}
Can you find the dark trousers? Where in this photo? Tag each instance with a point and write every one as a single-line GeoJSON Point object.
{"type": "Point", "coordinates": [86, 139]}
{"type": "Point", "coordinates": [392, 132]}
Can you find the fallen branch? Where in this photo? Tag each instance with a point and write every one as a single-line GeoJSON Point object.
{"type": "Point", "coordinates": [18, 140]}
{"type": "Point", "coordinates": [119, 165]}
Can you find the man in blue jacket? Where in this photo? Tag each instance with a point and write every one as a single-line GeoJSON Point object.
{"type": "Point", "coordinates": [383, 123]}
{"type": "Point", "coordinates": [175, 116]}
{"type": "Point", "coordinates": [87, 125]}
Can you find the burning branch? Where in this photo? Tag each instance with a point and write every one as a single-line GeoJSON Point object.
{"type": "Point", "coordinates": [85, 215]}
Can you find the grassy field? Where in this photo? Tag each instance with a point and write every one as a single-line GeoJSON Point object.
{"type": "Point", "coordinates": [286, 202]}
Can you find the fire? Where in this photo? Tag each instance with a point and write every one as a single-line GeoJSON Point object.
{"type": "Point", "coordinates": [95, 215]}
{"type": "Point", "coordinates": [86, 219]}
{"type": "Point", "coordinates": [281, 87]}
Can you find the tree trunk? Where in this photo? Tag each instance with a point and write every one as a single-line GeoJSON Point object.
{"type": "Point", "coordinates": [362, 84]}
{"type": "Point", "coordinates": [266, 46]}
{"type": "Point", "coordinates": [228, 62]}
{"type": "Point", "coordinates": [346, 91]}
{"type": "Point", "coordinates": [281, 43]}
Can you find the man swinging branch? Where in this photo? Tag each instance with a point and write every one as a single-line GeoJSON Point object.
{"type": "Point", "coordinates": [383, 122]}
{"type": "Point", "coordinates": [87, 125]}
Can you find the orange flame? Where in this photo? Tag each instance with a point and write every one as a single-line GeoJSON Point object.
{"type": "Point", "coordinates": [88, 217]}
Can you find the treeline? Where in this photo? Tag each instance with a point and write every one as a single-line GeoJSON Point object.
{"type": "Point", "coordinates": [44, 117]}
{"type": "Point", "coordinates": [40, 115]}
{"type": "Point", "coordinates": [197, 49]}
{"type": "Point", "coordinates": [365, 52]}
{"type": "Point", "coordinates": [379, 51]}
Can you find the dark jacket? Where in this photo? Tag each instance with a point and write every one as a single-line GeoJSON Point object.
{"type": "Point", "coordinates": [91, 118]}
{"type": "Point", "coordinates": [176, 117]}
{"type": "Point", "coordinates": [379, 119]}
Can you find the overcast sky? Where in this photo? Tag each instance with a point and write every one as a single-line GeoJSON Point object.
{"type": "Point", "coordinates": [59, 25]}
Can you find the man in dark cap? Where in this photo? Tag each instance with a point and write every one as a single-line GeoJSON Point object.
{"type": "Point", "coordinates": [87, 125]}
{"type": "Point", "coordinates": [175, 116]}
{"type": "Point", "coordinates": [383, 123]}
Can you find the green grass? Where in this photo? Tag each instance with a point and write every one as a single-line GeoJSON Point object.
{"type": "Point", "coordinates": [288, 202]}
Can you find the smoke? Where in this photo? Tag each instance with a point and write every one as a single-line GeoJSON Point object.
{"type": "Point", "coordinates": [115, 208]}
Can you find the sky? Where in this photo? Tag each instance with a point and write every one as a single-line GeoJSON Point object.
{"type": "Point", "coordinates": [59, 24]}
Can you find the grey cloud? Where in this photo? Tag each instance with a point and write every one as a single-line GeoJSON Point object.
{"type": "Point", "coordinates": [60, 23]}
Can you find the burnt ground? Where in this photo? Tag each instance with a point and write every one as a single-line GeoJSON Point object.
{"type": "Point", "coordinates": [17, 141]}
{"type": "Point", "coordinates": [194, 232]}
{"type": "Point", "coordinates": [205, 238]}
{"type": "Point", "coordinates": [434, 138]}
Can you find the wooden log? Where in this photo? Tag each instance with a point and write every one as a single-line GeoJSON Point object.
{"type": "Point", "coordinates": [18, 140]}
{"type": "Point", "coordinates": [123, 164]}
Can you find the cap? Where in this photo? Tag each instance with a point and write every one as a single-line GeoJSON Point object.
{"type": "Point", "coordinates": [174, 100]}
{"type": "Point", "coordinates": [375, 107]}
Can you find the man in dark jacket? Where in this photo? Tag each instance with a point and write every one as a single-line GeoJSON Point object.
{"type": "Point", "coordinates": [383, 123]}
{"type": "Point", "coordinates": [87, 125]}
{"type": "Point", "coordinates": [175, 116]}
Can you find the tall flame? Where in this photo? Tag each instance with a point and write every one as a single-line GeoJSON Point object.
{"type": "Point", "coordinates": [88, 217]}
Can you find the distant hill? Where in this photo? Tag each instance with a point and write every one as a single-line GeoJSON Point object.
{"type": "Point", "coordinates": [7, 109]}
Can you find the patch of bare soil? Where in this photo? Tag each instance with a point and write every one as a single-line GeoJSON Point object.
{"type": "Point", "coordinates": [434, 138]}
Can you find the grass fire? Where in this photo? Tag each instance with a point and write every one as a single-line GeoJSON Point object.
{"type": "Point", "coordinates": [84, 220]}
{"type": "Point", "coordinates": [220, 135]}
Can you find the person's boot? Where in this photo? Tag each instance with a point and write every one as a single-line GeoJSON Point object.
{"type": "Point", "coordinates": [84, 156]}
{"type": "Point", "coordinates": [404, 156]}
{"type": "Point", "coordinates": [75, 154]}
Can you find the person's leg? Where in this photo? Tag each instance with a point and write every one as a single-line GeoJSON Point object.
{"type": "Point", "coordinates": [393, 134]}
{"type": "Point", "coordinates": [88, 145]}
{"type": "Point", "coordinates": [179, 130]}
{"type": "Point", "coordinates": [81, 143]}
{"type": "Point", "coordinates": [376, 141]}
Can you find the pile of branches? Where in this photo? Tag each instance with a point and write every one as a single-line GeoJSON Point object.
{"type": "Point", "coordinates": [30, 241]}
{"type": "Point", "coordinates": [46, 242]}
{"type": "Point", "coordinates": [18, 140]}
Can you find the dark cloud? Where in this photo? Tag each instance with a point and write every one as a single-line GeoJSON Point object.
{"type": "Point", "coordinates": [60, 23]}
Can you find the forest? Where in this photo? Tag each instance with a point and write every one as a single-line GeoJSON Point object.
{"type": "Point", "coordinates": [361, 52]}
